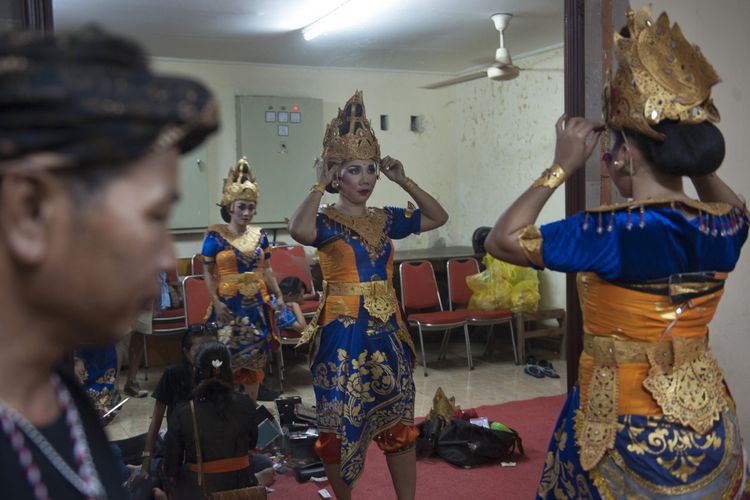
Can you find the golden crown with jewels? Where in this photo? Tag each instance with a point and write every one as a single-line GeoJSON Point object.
{"type": "Point", "coordinates": [661, 76]}
{"type": "Point", "coordinates": [349, 136]}
{"type": "Point", "coordinates": [239, 184]}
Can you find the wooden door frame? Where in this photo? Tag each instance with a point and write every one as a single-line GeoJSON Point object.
{"type": "Point", "coordinates": [575, 186]}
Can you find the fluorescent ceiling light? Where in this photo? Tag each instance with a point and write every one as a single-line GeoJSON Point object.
{"type": "Point", "coordinates": [348, 14]}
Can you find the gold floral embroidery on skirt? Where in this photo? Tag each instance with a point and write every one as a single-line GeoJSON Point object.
{"type": "Point", "coordinates": [596, 424]}
{"type": "Point", "coordinates": [690, 392]}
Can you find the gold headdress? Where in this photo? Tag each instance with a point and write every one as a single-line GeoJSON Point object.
{"type": "Point", "coordinates": [661, 76]}
{"type": "Point", "coordinates": [239, 184]}
{"type": "Point", "coordinates": [349, 135]}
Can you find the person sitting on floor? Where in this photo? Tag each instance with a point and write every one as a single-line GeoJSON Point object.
{"type": "Point", "coordinates": [224, 422]}
{"type": "Point", "coordinates": [291, 316]}
{"type": "Point", "coordinates": [174, 387]}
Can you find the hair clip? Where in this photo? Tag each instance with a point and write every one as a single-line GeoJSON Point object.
{"type": "Point", "coordinates": [216, 363]}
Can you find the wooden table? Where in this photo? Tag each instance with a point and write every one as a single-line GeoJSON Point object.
{"type": "Point", "coordinates": [435, 255]}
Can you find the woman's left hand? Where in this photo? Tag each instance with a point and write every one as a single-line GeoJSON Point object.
{"type": "Point", "coordinates": [576, 140]}
{"type": "Point", "coordinates": [393, 169]}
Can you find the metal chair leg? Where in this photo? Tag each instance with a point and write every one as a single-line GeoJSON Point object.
{"type": "Point", "coordinates": [444, 344]}
{"type": "Point", "coordinates": [468, 347]}
{"type": "Point", "coordinates": [513, 341]}
{"type": "Point", "coordinates": [145, 357]}
{"type": "Point", "coordinates": [421, 343]}
{"type": "Point", "coordinates": [490, 337]}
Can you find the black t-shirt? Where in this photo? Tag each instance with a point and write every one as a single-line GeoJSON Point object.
{"type": "Point", "coordinates": [13, 482]}
{"type": "Point", "coordinates": [174, 386]}
{"type": "Point", "coordinates": [226, 430]}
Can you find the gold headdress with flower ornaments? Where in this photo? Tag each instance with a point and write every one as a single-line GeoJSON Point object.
{"type": "Point", "coordinates": [349, 135]}
{"type": "Point", "coordinates": [239, 184]}
{"type": "Point", "coordinates": [661, 76]}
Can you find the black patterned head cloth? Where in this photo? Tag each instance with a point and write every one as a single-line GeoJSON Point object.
{"type": "Point", "coordinates": [91, 98]}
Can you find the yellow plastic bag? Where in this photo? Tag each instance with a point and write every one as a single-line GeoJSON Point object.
{"type": "Point", "coordinates": [504, 286]}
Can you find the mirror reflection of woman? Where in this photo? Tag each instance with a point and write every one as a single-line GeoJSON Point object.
{"type": "Point", "coordinates": [361, 352]}
{"type": "Point", "coordinates": [650, 415]}
{"type": "Point", "coordinates": [239, 278]}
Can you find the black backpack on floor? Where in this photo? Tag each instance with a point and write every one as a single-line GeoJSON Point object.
{"type": "Point", "coordinates": [467, 445]}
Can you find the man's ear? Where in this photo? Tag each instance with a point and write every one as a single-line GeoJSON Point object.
{"type": "Point", "coordinates": [26, 207]}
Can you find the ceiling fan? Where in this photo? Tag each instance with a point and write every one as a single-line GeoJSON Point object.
{"type": "Point", "coordinates": [501, 70]}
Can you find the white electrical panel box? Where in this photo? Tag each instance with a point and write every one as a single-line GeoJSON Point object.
{"type": "Point", "coordinates": [191, 211]}
{"type": "Point", "coordinates": [281, 136]}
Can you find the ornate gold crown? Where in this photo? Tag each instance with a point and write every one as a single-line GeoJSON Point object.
{"type": "Point", "coordinates": [239, 184]}
{"type": "Point", "coordinates": [349, 135]}
{"type": "Point", "coordinates": [660, 76]}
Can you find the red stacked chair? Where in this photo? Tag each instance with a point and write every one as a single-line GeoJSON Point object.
{"type": "Point", "coordinates": [419, 292]}
{"type": "Point", "coordinates": [459, 295]}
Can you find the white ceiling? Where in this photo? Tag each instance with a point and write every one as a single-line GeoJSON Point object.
{"type": "Point", "coordinates": [446, 36]}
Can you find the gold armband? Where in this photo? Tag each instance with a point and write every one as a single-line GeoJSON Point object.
{"type": "Point", "coordinates": [530, 240]}
{"type": "Point", "coordinates": [318, 187]}
{"type": "Point", "coordinates": [551, 178]}
{"type": "Point", "coordinates": [409, 184]}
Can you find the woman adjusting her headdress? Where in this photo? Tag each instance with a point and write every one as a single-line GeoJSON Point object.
{"type": "Point", "coordinates": [361, 352]}
{"type": "Point", "coordinates": [650, 276]}
{"type": "Point", "coordinates": [238, 275]}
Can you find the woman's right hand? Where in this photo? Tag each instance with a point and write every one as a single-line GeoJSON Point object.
{"type": "Point", "coordinates": [576, 139]}
{"type": "Point", "coordinates": [325, 170]}
{"type": "Point", "coordinates": [223, 314]}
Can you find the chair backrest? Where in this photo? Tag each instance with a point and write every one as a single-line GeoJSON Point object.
{"type": "Point", "coordinates": [197, 299]}
{"type": "Point", "coordinates": [459, 292]}
{"type": "Point", "coordinates": [172, 276]}
{"type": "Point", "coordinates": [291, 261]}
{"type": "Point", "coordinates": [418, 286]}
{"type": "Point", "coordinates": [196, 264]}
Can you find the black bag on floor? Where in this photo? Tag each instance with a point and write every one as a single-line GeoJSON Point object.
{"type": "Point", "coordinates": [429, 433]}
{"type": "Point", "coordinates": [468, 445]}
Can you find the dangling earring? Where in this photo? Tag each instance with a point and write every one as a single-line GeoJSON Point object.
{"type": "Point", "coordinates": [620, 168]}
{"type": "Point", "coordinates": [631, 169]}
{"type": "Point", "coordinates": [335, 184]}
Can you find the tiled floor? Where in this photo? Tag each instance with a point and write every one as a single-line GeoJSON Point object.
{"type": "Point", "coordinates": [495, 379]}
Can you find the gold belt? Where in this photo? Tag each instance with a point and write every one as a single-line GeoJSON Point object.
{"type": "Point", "coordinates": [248, 284]}
{"type": "Point", "coordinates": [672, 352]}
{"type": "Point", "coordinates": [684, 380]}
{"type": "Point", "coordinates": [365, 288]}
{"type": "Point", "coordinates": [379, 296]}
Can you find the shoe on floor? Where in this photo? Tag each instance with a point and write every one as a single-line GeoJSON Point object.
{"type": "Point", "coordinates": [547, 369]}
{"type": "Point", "coordinates": [534, 370]}
{"type": "Point", "coordinates": [133, 389]}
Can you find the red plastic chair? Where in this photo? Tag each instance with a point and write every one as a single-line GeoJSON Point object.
{"type": "Point", "coordinates": [169, 321]}
{"type": "Point", "coordinates": [197, 299]}
{"type": "Point", "coordinates": [419, 291]}
{"type": "Point", "coordinates": [459, 295]}
{"type": "Point", "coordinates": [196, 264]}
{"type": "Point", "coordinates": [291, 261]}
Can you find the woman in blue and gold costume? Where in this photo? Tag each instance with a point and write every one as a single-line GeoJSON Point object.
{"type": "Point", "coordinates": [238, 276]}
{"type": "Point", "coordinates": [361, 352]}
{"type": "Point", "coordinates": [650, 415]}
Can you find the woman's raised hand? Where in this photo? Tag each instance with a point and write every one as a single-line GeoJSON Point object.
{"type": "Point", "coordinates": [576, 139]}
{"type": "Point", "coordinates": [325, 170]}
{"type": "Point", "coordinates": [393, 169]}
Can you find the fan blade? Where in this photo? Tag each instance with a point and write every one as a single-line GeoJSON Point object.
{"type": "Point", "coordinates": [545, 70]}
{"type": "Point", "coordinates": [458, 79]}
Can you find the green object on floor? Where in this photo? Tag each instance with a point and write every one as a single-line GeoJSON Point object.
{"type": "Point", "coordinates": [497, 426]}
